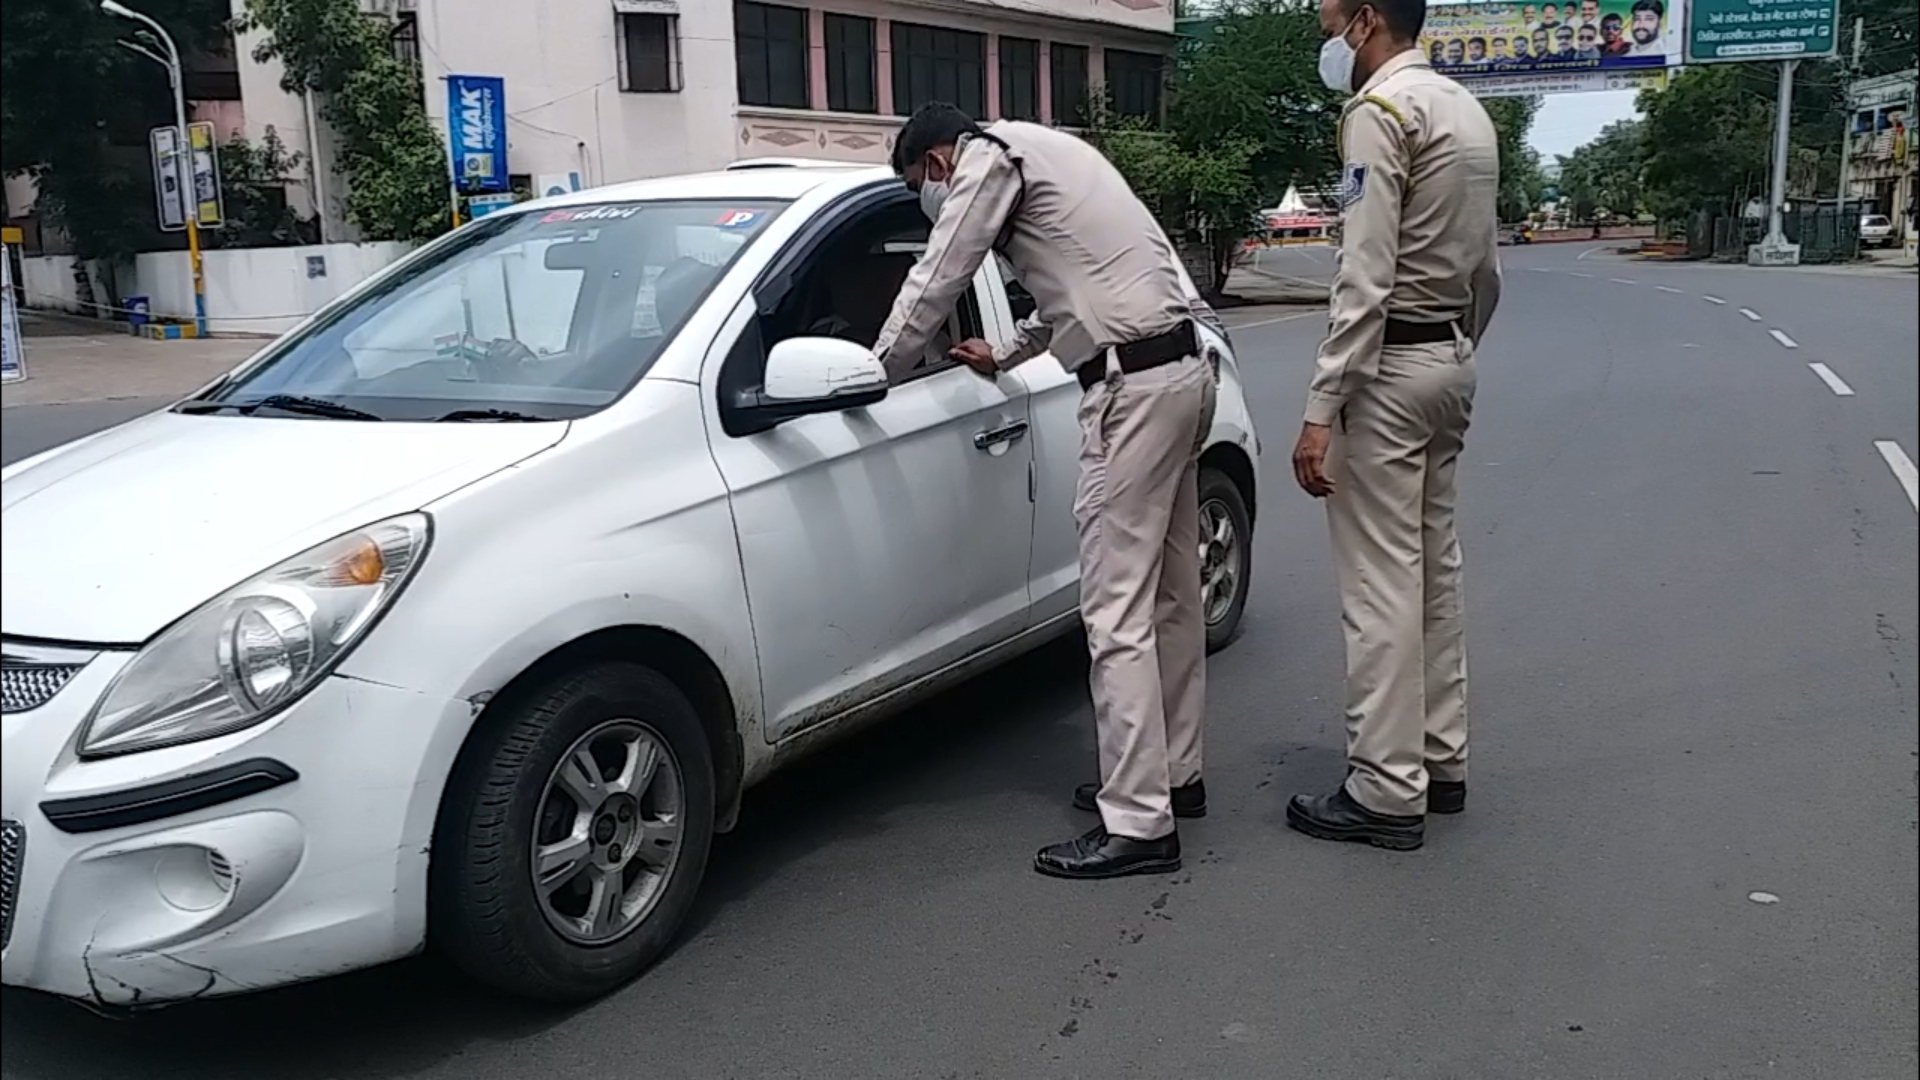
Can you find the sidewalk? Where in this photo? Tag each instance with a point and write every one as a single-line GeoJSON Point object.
{"type": "Point", "coordinates": [70, 359]}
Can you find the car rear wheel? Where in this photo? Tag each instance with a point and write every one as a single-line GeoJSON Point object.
{"type": "Point", "coordinates": [574, 834]}
{"type": "Point", "coordinates": [1226, 556]}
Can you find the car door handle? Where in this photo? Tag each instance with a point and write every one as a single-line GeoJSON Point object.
{"type": "Point", "coordinates": [992, 437]}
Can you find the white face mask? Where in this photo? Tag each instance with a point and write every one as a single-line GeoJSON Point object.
{"type": "Point", "coordinates": [934, 192]}
{"type": "Point", "coordinates": [1336, 62]}
{"type": "Point", "coordinates": [931, 196]}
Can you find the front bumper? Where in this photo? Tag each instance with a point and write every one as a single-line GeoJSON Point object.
{"type": "Point", "coordinates": [287, 852]}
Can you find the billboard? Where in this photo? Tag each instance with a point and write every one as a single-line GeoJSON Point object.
{"type": "Point", "coordinates": [477, 129]}
{"type": "Point", "coordinates": [1731, 30]}
{"type": "Point", "coordinates": [1545, 48]}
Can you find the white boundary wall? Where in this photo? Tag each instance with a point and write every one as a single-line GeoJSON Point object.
{"type": "Point", "coordinates": [249, 290]}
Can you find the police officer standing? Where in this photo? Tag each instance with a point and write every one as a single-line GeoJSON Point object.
{"type": "Point", "coordinates": [1387, 414]}
{"type": "Point", "coordinates": [1112, 307]}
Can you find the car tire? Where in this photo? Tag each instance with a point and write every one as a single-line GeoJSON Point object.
{"type": "Point", "coordinates": [1226, 556]}
{"type": "Point", "coordinates": [514, 789]}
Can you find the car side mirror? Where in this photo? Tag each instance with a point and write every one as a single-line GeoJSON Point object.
{"type": "Point", "coordinates": [822, 369]}
{"type": "Point", "coordinates": [810, 375]}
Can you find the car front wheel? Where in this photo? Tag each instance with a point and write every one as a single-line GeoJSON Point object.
{"type": "Point", "coordinates": [574, 834]}
{"type": "Point", "coordinates": [1226, 556]}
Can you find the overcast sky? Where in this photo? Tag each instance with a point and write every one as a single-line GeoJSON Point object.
{"type": "Point", "coordinates": [1569, 120]}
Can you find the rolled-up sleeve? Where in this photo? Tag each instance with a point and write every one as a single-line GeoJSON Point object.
{"type": "Point", "coordinates": [985, 190]}
{"type": "Point", "coordinates": [1374, 187]}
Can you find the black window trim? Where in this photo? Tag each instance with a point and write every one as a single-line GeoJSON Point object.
{"type": "Point", "coordinates": [806, 55]}
{"type": "Point", "coordinates": [675, 82]}
{"type": "Point", "coordinates": [900, 57]}
{"type": "Point", "coordinates": [828, 20]}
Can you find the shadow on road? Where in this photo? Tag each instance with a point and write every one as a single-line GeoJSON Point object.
{"type": "Point", "coordinates": [1022, 727]}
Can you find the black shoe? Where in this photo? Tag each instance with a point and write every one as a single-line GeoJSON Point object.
{"type": "Point", "coordinates": [1446, 796]}
{"type": "Point", "coordinates": [1100, 854]}
{"type": "Point", "coordinates": [1338, 817]}
{"type": "Point", "coordinates": [1188, 802]}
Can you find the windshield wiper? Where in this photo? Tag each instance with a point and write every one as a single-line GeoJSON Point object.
{"type": "Point", "coordinates": [503, 415]}
{"type": "Point", "coordinates": [291, 403]}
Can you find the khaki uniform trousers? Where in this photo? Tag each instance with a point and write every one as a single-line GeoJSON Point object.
{"type": "Point", "coordinates": [1397, 559]}
{"type": "Point", "coordinates": [1137, 506]}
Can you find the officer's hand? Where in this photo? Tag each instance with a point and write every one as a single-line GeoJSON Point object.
{"type": "Point", "coordinates": [1310, 460]}
{"type": "Point", "coordinates": [977, 355]}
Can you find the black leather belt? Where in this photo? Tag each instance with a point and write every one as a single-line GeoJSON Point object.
{"type": "Point", "coordinates": [1176, 344]}
{"type": "Point", "coordinates": [1402, 332]}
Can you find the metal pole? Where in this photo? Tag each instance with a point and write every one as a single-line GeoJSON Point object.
{"type": "Point", "coordinates": [1846, 137]}
{"type": "Point", "coordinates": [183, 150]}
{"type": "Point", "coordinates": [1782, 124]}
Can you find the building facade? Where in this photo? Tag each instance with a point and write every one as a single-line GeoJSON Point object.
{"type": "Point", "coordinates": [601, 91]}
{"type": "Point", "coordinates": [616, 90]}
{"type": "Point", "coordinates": [1881, 165]}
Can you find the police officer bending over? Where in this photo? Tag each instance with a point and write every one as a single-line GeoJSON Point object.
{"type": "Point", "coordinates": [1112, 308]}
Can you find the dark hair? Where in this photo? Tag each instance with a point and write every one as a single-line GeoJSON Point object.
{"type": "Point", "coordinates": [1480, 41]}
{"type": "Point", "coordinates": [1658, 7]}
{"type": "Point", "coordinates": [934, 124]}
{"type": "Point", "coordinates": [1404, 18]}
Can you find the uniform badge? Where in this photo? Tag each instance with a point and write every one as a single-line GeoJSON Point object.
{"type": "Point", "coordinates": [1353, 184]}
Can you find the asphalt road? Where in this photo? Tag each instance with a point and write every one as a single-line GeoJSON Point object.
{"type": "Point", "coordinates": [1690, 851]}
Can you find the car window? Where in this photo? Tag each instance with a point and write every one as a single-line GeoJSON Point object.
{"type": "Point", "coordinates": [547, 315]}
{"type": "Point", "coordinates": [848, 290]}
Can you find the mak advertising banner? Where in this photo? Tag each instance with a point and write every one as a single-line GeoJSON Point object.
{"type": "Point", "coordinates": [477, 130]}
{"type": "Point", "coordinates": [1510, 49]}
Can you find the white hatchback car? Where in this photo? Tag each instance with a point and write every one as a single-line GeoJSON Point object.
{"type": "Point", "coordinates": [463, 613]}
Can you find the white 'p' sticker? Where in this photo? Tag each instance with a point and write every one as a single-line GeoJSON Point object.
{"type": "Point", "coordinates": [1353, 183]}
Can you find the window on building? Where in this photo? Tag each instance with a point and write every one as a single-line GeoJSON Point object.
{"type": "Point", "coordinates": [405, 36]}
{"type": "Point", "coordinates": [1019, 79]}
{"type": "Point", "coordinates": [770, 47]}
{"type": "Point", "coordinates": [850, 64]}
{"type": "Point", "coordinates": [932, 63]}
{"type": "Point", "coordinates": [1069, 78]}
{"type": "Point", "coordinates": [649, 53]}
{"type": "Point", "coordinates": [1134, 79]}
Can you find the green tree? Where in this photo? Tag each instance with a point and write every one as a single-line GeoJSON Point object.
{"type": "Point", "coordinates": [1247, 116]}
{"type": "Point", "coordinates": [395, 167]}
{"type": "Point", "coordinates": [75, 108]}
{"type": "Point", "coordinates": [1521, 181]}
{"type": "Point", "coordinates": [1607, 173]}
{"type": "Point", "coordinates": [253, 179]}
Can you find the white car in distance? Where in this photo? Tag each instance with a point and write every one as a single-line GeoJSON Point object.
{"type": "Point", "coordinates": [1876, 230]}
{"type": "Point", "coordinates": [464, 612]}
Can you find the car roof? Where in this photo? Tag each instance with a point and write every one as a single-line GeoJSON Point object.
{"type": "Point", "coordinates": [765, 179]}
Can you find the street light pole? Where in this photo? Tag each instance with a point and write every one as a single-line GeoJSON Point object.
{"type": "Point", "coordinates": [182, 150]}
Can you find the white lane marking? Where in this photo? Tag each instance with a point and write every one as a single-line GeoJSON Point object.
{"type": "Point", "coordinates": [1577, 273]}
{"type": "Point", "coordinates": [1589, 252]}
{"type": "Point", "coordinates": [1623, 281]}
{"type": "Point", "coordinates": [1781, 337]}
{"type": "Point", "coordinates": [1539, 269]}
{"type": "Point", "coordinates": [1669, 288]}
{"type": "Point", "coordinates": [1269, 322]}
{"type": "Point", "coordinates": [1713, 300]}
{"type": "Point", "coordinates": [1902, 467]}
{"type": "Point", "coordinates": [1834, 382]}
{"type": "Point", "coordinates": [1752, 315]}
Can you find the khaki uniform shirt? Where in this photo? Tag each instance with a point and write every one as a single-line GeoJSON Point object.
{"type": "Point", "coordinates": [1419, 226]}
{"type": "Point", "coordinates": [1101, 271]}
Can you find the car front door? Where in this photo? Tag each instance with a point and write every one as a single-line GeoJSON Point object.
{"type": "Point", "coordinates": [880, 543]}
{"type": "Point", "coordinates": [1053, 405]}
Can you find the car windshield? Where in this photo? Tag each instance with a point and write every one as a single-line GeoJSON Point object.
{"type": "Point", "coordinates": [531, 316]}
{"type": "Point", "coordinates": [1874, 219]}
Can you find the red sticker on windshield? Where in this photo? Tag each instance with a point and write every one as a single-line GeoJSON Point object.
{"type": "Point", "coordinates": [738, 219]}
{"type": "Point", "coordinates": [590, 213]}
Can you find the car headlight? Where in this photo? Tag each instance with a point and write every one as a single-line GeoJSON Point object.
{"type": "Point", "coordinates": [259, 646]}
